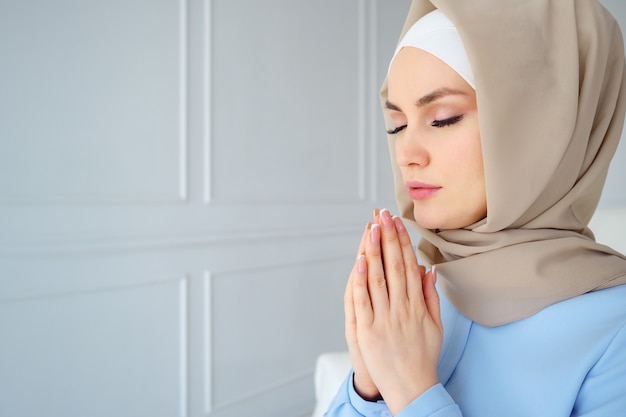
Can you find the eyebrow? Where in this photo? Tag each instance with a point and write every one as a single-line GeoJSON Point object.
{"type": "Point", "coordinates": [428, 98]}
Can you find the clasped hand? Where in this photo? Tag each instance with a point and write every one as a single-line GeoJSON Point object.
{"type": "Point", "coordinates": [393, 323]}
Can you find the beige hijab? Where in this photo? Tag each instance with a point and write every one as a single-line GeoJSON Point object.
{"type": "Point", "coordinates": [551, 97]}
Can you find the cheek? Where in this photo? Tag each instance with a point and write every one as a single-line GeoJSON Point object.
{"type": "Point", "coordinates": [475, 171]}
{"type": "Point", "coordinates": [469, 152]}
{"type": "Point", "coordinates": [465, 156]}
{"type": "Point", "coordinates": [466, 165]}
{"type": "Point", "coordinates": [476, 150]}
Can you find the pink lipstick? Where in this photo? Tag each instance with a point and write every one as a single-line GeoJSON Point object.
{"type": "Point", "coordinates": [420, 190]}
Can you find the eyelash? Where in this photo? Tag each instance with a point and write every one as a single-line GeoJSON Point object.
{"type": "Point", "coordinates": [396, 130]}
{"type": "Point", "coordinates": [436, 123]}
{"type": "Point", "coordinates": [447, 122]}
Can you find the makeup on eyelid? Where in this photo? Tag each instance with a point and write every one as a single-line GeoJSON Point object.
{"type": "Point", "coordinates": [438, 123]}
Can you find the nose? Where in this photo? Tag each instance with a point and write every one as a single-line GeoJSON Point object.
{"type": "Point", "coordinates": [410, 150]}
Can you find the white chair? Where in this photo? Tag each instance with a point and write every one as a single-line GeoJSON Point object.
{"type": "Point", "coordinates": [331, 370]}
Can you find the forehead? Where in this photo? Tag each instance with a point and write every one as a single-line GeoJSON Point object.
{"type": "Point", "coordinates": [415, 71]}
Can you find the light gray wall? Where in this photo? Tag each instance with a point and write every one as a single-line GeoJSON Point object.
{"type": "Point", "coordinates": [615, 189]}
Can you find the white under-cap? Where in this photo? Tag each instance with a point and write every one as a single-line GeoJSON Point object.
{"type": "Point", "coordinates": [437, 35]}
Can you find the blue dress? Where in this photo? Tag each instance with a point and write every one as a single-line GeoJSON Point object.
{"type": "Point", "coordinates": [567, 360]}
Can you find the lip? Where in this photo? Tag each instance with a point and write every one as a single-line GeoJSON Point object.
{"type": "Point", "coordinates": [420, 190]}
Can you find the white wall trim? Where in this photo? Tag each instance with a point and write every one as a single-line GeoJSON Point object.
{"type": "Point", "coordinates": [362, 95]}
{"type": "Point", "coordinates": [207, 352]}
{"type": "Point", "coordinates": [126, 246]}
{"type": "Point", "coordinates": [183, 295]}
{"type": "Point", "coordinates": [207, 115]}
{"type": "Point", "coordinates": [182, 94]}
{"type": "Point", "coordinates": [373, 107]}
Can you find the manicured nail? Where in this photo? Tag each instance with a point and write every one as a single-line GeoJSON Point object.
{"type": "Point", "coordinates": [434, 274]}
{"type": "Point", "coordinates": [386, 219]}
{"type": "Point", "coordinates": [399, 225]}
{"type": "Point", "coordinates": [360, 264]}
{"type": "Point", "coordinates": [375, 233]}
{"type": "Point", "coordinates": [376, 212]}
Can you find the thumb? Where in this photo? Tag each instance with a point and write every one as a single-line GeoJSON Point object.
{"type": "Point", "coordinates": [431, 296]}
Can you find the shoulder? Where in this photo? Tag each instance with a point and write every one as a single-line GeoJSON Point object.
{"type": "Point", "coordinates": [604, 309]}
{"type": "Point", "coordinates": [604, 386]}
{"type": "Point", "coordinates": [589, 321]}
{"type": "Point", "coordinates": [570, 355]}
{"type": "Point", "coordinates": [583, 326]}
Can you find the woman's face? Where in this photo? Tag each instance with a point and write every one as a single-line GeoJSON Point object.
{"type": "Point", "coordinates": [437, 140]}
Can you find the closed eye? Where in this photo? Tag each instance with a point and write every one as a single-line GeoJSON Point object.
{"type": "Point", "coordinates": [396, 130]}
{"type": "Point", "coordinates": [447, 122]}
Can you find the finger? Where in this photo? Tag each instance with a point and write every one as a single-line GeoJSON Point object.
{"type": "Point", "coordinates": [361, 300]}
{"type": "Point", "coordinates": [348, 308]}
{"type": "Point", "coordinates": [414, 271]}
{"type": "Point", "coordinates": [376, 281]}
{"type": "Point", "coordinates": [431, 297]}
{"type": "Point", "coordinates": [349, 294]}
{"type": "Point", "coordinates": [393, 260]}
{"type": "Point", "coordinates": [362, 380]}
{"type": "Point", "coordinates": [348, 300]}
{"type": "Point", "coordinates": [363, 237]}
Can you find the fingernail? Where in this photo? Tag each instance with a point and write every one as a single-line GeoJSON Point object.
{"type": "Point", "coordinates": [399, 225]}
{"type": "Point", "coordinates": [434, 274]}
{"type": "Point", "coordinates": [385, 217]}
{"type": "Point", "coordinates": [375, 233]}
{"type": "Point", "coordinates": [376, 212]}
{"type": "Point", "coordinates": [360, 264]}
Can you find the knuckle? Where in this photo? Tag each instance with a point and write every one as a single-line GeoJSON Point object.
{"type": "Point", "coordinates": [373, 336]}
{"type": "Point", "coordinates": [390, 237]}
{"type": "Point", "coordinates": [359, 283]}
{"type": "Point", "coordinates": [378, 281]}
{"type": "Point", "coordinates": [402, 316]}
{"type": "Point", "coordinates": [404, 238]}
{"type": "Point", "coordinates": [362, 304]}
{"type": "Point", "coordinates": [414, 269]}
{"type": "Point", "coordinates": [397, 266]}
{"type": "Point", "coordinates": [420, 311]}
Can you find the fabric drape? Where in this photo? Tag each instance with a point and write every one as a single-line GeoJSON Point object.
{"type": "Point", "coordinates": [551, 95]}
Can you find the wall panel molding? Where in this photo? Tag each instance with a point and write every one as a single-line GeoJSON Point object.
{"type": "Point", "coordinates": [183, 345]}
{"type": "Point", "coordinates": [258, 176]}
{"type": "Point", "coordinates": [122, 334]}
{"type": "Point", "coordinates": [72, 172]}
{"type": "Point", "coordinates": [362, 101]}
{"type": "Point", "coordinates": [207, 357]}
{"type": "Point", "coordinates": [221, 344]}
{"type": "Point", "coordinates": [373, 103]}
{"type": "Point", "coordinates": [183, 86]}
{"type": "Point", "coordinates": [237, 400]}
{"type": "Point", "coordinates": [207, 103]}
{"type": "Point", "coordinates": [54, 249]}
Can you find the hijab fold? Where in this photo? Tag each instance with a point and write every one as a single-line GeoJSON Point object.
{"type": "Point", "coordinates": [551, 94]}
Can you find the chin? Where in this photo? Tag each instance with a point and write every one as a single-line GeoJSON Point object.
{"type": "Point", "coordinates": [426, 221]}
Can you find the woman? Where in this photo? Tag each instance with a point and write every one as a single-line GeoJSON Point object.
{"type": "Point", "coordinates": [503, 118]}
